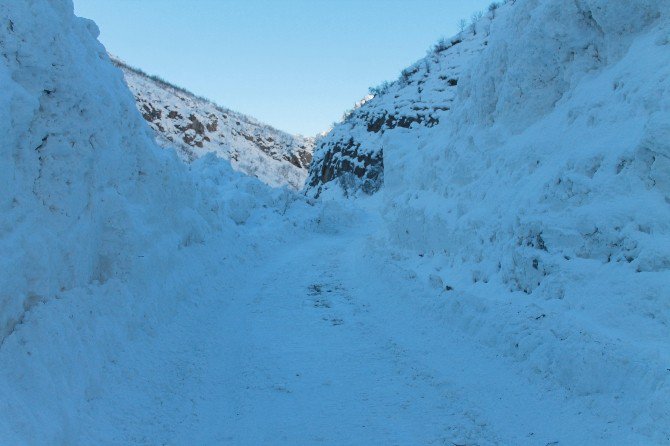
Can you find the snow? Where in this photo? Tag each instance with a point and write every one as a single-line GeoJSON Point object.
{"type": "Point", "coordinates": [541, 193]}
{"type": "Point", "coordinates": [544, 188]}
{"type": "Point", "coordinates": [81, 183]}
{"type": "Point", "coordinates": [506, 285]}
{"type": "Point", "coordinates": [195, 127]}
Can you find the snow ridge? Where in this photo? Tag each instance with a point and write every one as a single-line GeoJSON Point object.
{"type": "Point", "coordinates": [79, 173]}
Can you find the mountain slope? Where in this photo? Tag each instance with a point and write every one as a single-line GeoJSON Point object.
{"type": "Point", "coordinates": [196, 126]}
{"type": "Point", "coordinates": [351, 154]}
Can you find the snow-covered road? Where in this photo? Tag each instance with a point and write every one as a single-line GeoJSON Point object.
{"type": "Point", "coordinates": [324, 340]}
{"type": "Point", "coordinates": [508, 283]}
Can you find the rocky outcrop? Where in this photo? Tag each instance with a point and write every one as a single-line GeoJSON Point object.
{"type": "Point", "coordinates": [352, 153]}
{"type": "Point", "coordinates": [195, 126]}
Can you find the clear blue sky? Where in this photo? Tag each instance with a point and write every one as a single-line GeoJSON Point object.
{"type": "Point", "coordinates": [294, 64]}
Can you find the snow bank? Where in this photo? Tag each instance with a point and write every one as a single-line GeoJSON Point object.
{"type": "Point", "coordinates": [102, 232]}
{"type": "Point", "coordinates": [581, 175]}
{"type": "Point", "coordinates": [549, 178]}
{"type": "Point", "coordinates": [85, 192]}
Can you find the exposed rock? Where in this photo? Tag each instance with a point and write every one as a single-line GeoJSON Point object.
{"type": "Point", "coordinates": [353, 150]}
{"type": "Point", "coordinates": [196, 126]}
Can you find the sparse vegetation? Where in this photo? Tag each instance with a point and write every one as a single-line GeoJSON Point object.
{"type": "Point", "coordinates": [159, 80]}
{"type": "Point", "coordinates": [474, 18]}
{"type": "Point", "coordinates": [380, 89]}
{"type": "Point", "coordinates": [407, 73]}
{"type": "Point", "coordinates": [492, 9]}
{"type": "Point", "coordinates": [441, 45]}
{"type": "Point", "coordinates": [347, 113]}
{"type": "Point", "coordinates": [462, 24]}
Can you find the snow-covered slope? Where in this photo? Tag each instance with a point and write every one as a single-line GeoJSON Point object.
{"type": "Point", "coordinates": [196, 126]}
{"type": "Point", "coordinates": [557, 141]}
{"type": "Point", "coordinates": [537, 184]}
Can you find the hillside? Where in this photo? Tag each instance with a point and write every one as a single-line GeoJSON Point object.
{"type": "Point", "coordinates": [534, 179]}
{"type": "Point", "coordinates": [196, 126]}
{"type": "Point", "coordinates": [352, 153]}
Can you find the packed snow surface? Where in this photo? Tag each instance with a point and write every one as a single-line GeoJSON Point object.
{"type": "Point", "coordinates": [507, 285]}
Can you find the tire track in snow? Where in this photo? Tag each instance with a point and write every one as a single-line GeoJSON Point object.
{"type": "Point", "coordinates": [303, 345]}
{"type": "Point", "coordinates": [318, 370]}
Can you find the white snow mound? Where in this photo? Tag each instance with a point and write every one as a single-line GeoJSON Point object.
{"type": "Point", "coordinates": [83, 184]}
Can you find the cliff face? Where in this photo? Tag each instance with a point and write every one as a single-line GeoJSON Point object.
{"type": "Point", "coordinates": [352, 153]}
{"type": "Point", "coordinates": [196, 126]}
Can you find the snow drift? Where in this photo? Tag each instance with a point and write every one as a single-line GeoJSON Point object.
{"type": "Point", "coordinates": [567, 157]}
{"type": "Point", "coordinates": [85, 192]}
{"type": "Point", "coordinates": [533, 159]}
{"type": "Point", "coordinates": [101, 234]}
